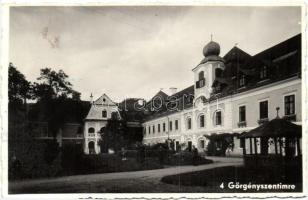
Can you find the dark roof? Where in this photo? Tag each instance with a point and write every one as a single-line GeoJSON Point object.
{"type": "Point", "coordinates": [275, 128]}
{"type": "Point", "coordinates": [173, 103]}
{"type": "Point", "coordinates": [282, 61]}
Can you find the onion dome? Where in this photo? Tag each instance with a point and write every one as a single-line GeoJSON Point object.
{"type": "Point", "coordinates": [211, 49]}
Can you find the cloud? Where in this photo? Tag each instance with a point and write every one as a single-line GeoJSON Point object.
{"type": "Point", "coordinates": [135, 51]}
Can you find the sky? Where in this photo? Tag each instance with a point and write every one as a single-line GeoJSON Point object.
{"type": "Point", "coordinates": [134, 51]}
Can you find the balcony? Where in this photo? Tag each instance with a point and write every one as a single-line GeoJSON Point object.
{"type": "Point", "coordinates": [242, 124]}
{"type": "Point", "coordinates": [291, 117]}
{"type": "Point", "coordinates": [262, 121]}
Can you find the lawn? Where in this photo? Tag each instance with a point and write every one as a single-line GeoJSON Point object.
{"type": "Point", "coordinates": [213, 178]}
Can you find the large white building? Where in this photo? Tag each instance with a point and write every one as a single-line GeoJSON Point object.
{"type": "Point", "coordinates": [231, 94]}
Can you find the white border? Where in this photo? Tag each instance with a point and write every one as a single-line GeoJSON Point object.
{"type": "Point", "coordinates": [4, 101]}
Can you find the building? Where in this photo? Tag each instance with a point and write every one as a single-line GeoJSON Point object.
{"type": "Point", "coordinates": [94, 124]}
{"type": "Point", "coordinates": [230, 95]}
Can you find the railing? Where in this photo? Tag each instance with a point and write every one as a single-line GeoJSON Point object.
{"type": "Point", "coordinates": [290, 117]}
{"type": "Point", "coordinates": [242, 124]}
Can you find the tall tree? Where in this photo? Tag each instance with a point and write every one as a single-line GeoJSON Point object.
{"type": "Point", "coordinates": [19, 88]}
{"type": "Point", "coordinates": [54, 85]}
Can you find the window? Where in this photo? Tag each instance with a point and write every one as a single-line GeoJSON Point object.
{"type": "Point", "coordinates": [218, 118]}
{"type": "Point", "coordinates": [218, 72]}
{"type": "Point", "coordinates": [189, 123]}
{"type": "Point", "coordinates": [153, 129]}
{"type": "Point", "coordinates": [170, 126]}
{"type": "Point", "coordinates": [201, 80]}
{"type": "Point", "coordinates": [263, 72]}
{"type": "Point", "coordinates": [164, 127]}
{"type": "Point", "coordinates": [201, 121]}
{"type": "Point", "coordinates": [242, 80]}
{"type": "Point", "coordinates": [176, 124]}
{"type": "Point", "coordinates": [91, 130]}
{"type": "Point", "coordinates": [289, 105]}
{"type": "Point", "coordinates": [263, 109]}
{"type": "Point", "coordinates": [202, 144]}
{"type": "Point", "coordinates": [104, 113]}
{"type": "Point", "coordinates": [158, 128]}
{"type": "Point", "coordinates": [242, 113]}
{"type": "Point", "coordinates": [149, 129]}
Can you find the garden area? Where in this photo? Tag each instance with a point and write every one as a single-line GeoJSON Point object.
{"type": "Point", "coordinates": [213, 178]}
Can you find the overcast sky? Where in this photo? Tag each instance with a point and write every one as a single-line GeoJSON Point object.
{"type": "Point", "coordinates": [135, 51]}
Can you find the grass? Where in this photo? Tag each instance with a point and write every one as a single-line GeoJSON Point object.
{"type": "Point", "coordinates": [213, 178]}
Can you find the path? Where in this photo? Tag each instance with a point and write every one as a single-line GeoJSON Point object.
{"type": "Point", "coordinates": [128, 181]}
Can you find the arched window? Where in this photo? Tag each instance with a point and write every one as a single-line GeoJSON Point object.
{"type": "Point", "coordinates": [91, 147]}
{"type": "Point", "coordinates": [217, 118]}
{"type": "Point", "coordinates": [104, 113]}
{"type": "Point", "coordinates": [202, 121]}
{"type": "Point", "coordinates": [91, 130]}
{"type": "Point", "coordinates": [188, 123]}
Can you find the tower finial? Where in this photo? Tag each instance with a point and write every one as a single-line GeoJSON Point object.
{"type": "Point", "coordinates": [91, 98]}
{"type": "Point", "coordinates": [211, 37]}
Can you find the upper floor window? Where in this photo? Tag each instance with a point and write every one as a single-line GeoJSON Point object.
{"type": "Point", "coordinates": [158, 128]}
{"type": "Point", "coordinates": [242, 80]}
{"type": "Point", "coordinates": [91, 130]}
{"type": "Point", "coordinates": [263, 72]}
{"type": "Point", "coordinates": [153, 129]}
{"type": "Point", "coordinates": [176, 124]}
{"type": "Point", "coordinates": [189, 123]}
{"type": "Point", "coordinates": [201, 80]}
{"type": "Point", "coordinates": [263, 106]}
{"type": "Point", "coordinates": [201, 121]}
{"type": "Point", "coordinates": [218, 72]}
{"type": "Point", "coordinates": [164, 127]}
{"type": "Point", "coordinates": [149, 129]}
{"type": "Point", "coordinates": [242, 113]}
{"type": "Point", "coordinates": [104, 113]}
{"type": "Point", "coordinates": [218, 120]}
{"type": "Point", "coordinates": [289, 105]}
{"type": "Point", "coordinates": [170, 125]}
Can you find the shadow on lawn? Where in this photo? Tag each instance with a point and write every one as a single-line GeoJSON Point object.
{"type": "Point", "coordinates": [213, 178]}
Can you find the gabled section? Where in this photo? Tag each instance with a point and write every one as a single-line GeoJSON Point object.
{"type": "Point", "coordinates": [104, 100]}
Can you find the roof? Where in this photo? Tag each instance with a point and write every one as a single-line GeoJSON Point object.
{"type": "Point", "coordinates": [174, 103]}
{"type": "Point", "coordinates": [275, 128]}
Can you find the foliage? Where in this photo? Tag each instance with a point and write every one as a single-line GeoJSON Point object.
{"type": "Point", "coordinates": [54, 85]}
{"type": "Point", "coordinates": [19, 88]}
{"type": "Point", "coordinates": [218, 144]}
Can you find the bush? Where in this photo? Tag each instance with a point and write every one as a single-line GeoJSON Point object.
{"type": "Point", "coordinates": [187, 158]}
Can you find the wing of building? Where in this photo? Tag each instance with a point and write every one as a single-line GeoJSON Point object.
{"type": "Point", "coordinates": [231, 94]}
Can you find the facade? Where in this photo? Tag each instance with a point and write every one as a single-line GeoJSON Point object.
{"type": "Point", "coordinates": [232, 94]}
{"type": "Point", "coordinates": [101, 110]}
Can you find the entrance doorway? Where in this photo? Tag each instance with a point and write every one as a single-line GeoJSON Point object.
{"type": "Point", "coordinates": [91, 148]}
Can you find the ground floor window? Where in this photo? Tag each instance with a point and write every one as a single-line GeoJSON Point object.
{"type": "Point", "coordinates": [189, 145]}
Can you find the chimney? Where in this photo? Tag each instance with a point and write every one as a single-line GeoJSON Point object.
{"type": "Point", "coordinates": [173, 90]}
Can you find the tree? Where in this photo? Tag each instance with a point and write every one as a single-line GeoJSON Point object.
{"type": "Point", "coordinates": [113, 134]}
{"type": "Point", "coordinates": [54, 85]}
{"type": "Point", "coordinates": [19, 88]}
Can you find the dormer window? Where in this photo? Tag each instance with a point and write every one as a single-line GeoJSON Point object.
{"type": "Point", "coordinates": [263, 72]}
{"type": "Point", "coordinates": [104, 113]}
{"type": "Point", "coordinates": [242, 80]}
